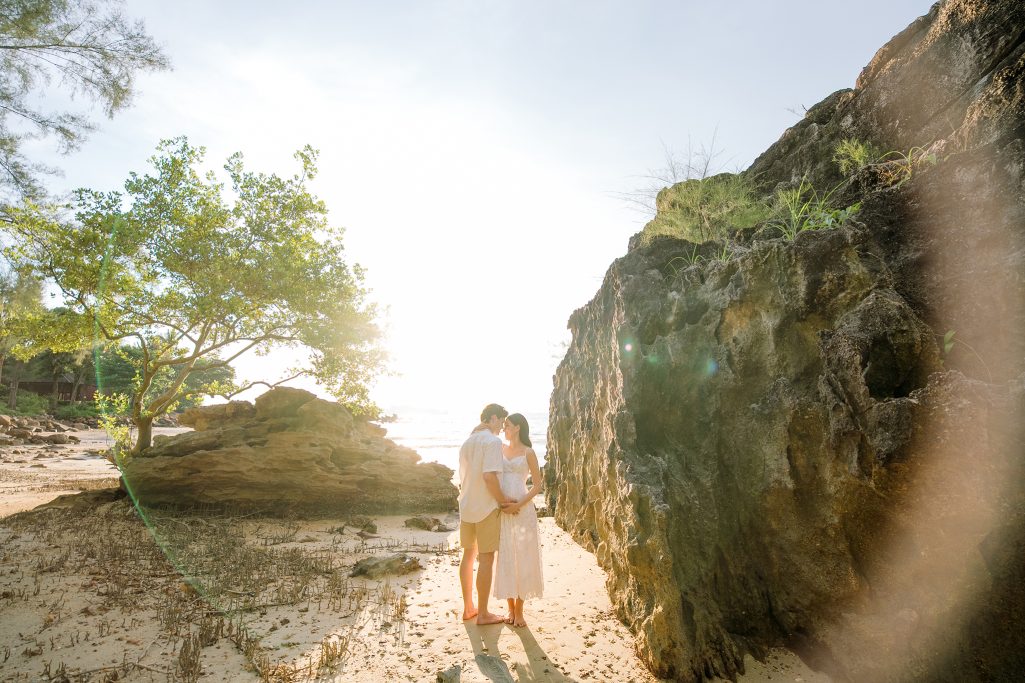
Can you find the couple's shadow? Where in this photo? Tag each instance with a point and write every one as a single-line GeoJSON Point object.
{"type": "Point", "coordinates": [487, 656]}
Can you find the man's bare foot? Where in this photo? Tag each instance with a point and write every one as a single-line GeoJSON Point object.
{"type": "Point", "coordinates": [469, 614]}
{"type": "Point", "coordinates": [489, 618]}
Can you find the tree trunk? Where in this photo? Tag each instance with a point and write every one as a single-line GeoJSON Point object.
{"type": "Point", "coordinates": [79, 380]}
{"type": "Point", "coordinates": [145, 438]}
{"type": "Point", "coordinates": [12, 396]}
{"type": "Point", "coordinates": [3, 357]}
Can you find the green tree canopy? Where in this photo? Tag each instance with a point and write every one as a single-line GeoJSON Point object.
{"type": "Point", "coordinates": [115, 370]}
{"type": "Point", "coordinates": [89, 48]}
{"type": "Point", "coordinates": [188, 269]}
{"type": "Point", "coordinates": [21, 301]}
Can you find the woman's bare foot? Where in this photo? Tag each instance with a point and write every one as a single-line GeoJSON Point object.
{"type": "Point", "coordinates": [469, 614]}
{"type": "Point", "coordinates": [519, 622]}
{"type": "Point", "coordinates": [512, 611]}
{"type": "Point", "coordinates": [489, 618]}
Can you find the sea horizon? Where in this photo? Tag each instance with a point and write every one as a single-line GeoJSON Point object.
{"type": "Point", "coordinates": [436, 434]}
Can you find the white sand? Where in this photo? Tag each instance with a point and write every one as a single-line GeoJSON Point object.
{"type": "Point", "coordinates": [572, 633]}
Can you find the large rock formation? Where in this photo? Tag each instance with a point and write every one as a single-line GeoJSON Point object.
{"type": "Point", "coordinates": [779, 448]}
{"type": "Point", "coordinates": [291, 450]}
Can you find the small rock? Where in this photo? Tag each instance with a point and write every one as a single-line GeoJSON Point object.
{"type": "Point", "coordinates": [375, 567]}
{"type": "Point", "coordinates": [362, 523]}
{"type": "Point", "coordinates": [451, 675]}
{"type": "Point", "coordinates": [426, 523]}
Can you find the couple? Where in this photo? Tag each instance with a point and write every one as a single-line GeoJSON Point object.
{"type": "Point", "coordinates": [496, 514]}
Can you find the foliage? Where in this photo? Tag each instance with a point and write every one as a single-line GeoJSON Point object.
{"type": "Point", "coordinates": [678, 264]}
{"type": "Point", "coordinates": [20, 301]}
{"type": "Point", "coordinates": [724, 252]}
{"type": "Point", "coordinates": [191, 272]}
{"type": "Point", "coordinates": [896, 168]}
{"type": "Point", "coordinates": [61, 331]}
{"type": "Point", "coordinates": [90, 48]}
{"type": "Point", "coordinates": [74, 411]}
{"type": "Point", "coordinates": [852, 155]}
{"type": "Point", "coordinates": [700, 210]}
{"type": "Point", "coordinates": [28, 404]}
{"type": "Point", "coordinates": [950, 343]}
{"type": "Point", "coordinates": [112, 409]}
{"type": "Point", "coordinates": [802, 208]}
{"type": "Point", "coordinates": [118, 373]}
{"type": "Point", "coordinates": [695, 163]}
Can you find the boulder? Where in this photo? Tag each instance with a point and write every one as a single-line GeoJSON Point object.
{"type": "Point", "coordinates": [307, 456]}
{"type": "Point", "coordinates": [426, 523]}
{"type": "Point", "coordinates": [202, 418]}
{"type": "Point", "coordinates": [281, 402]}
{"type": "Point", "coordinates": [59, 438]}
{"type": "Point", "coordinates": [789, 446]}
{"type": "Point", "coordinates": [376, 567]}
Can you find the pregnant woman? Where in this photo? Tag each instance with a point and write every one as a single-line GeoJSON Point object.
{"type": "Point", "coordinates": [518, 575]}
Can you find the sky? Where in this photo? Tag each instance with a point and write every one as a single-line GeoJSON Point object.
{"type": "Point", "coordinates": [477, 152]}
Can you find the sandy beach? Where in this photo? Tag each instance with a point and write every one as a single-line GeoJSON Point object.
{"type": "Point", "coordinates": [91, 591]}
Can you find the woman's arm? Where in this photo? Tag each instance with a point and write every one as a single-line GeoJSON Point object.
{"type": "Point", "coordinates": [535, 478]}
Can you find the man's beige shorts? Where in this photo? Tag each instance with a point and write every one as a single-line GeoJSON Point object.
{"type": "Point", "coordinates": [484, 533]}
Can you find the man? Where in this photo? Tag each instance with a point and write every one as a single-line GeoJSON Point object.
{"type": "Point", "coordinates": [480, 503]}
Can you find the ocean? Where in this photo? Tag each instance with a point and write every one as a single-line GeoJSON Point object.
{"type": "Point", "coordinates": [437, 435]}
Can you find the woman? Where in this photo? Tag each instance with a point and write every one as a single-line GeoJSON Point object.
{"type": "Point", "coordinates": [518, 575]}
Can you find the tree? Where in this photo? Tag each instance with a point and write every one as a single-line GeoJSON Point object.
{"type": "Point", "coordinates": [20, 298]}
{"type": "Point", "coordinates": [89, 48]}
{"type": "Point", "coordinates": [118, 373]}
{"type": "Point", "coordinates": [189, 271]}
{"type": "Point", "coordinates": [53, 340]}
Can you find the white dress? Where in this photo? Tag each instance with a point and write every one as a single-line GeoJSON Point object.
{"type": "Point", "coordinates": [518, 572]}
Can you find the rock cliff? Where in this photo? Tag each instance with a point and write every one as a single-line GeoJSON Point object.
{"type": "Point", "coordinates": [819, 442]}
{"type": "Point", "coordinates": [290, 450]}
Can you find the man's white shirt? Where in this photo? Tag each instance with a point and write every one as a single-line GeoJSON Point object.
{"type": "Point", "coordinates": [480, 453]}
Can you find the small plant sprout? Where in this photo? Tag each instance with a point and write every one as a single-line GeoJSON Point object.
{"type": "Point", "coordinates": [899, 167]}
{"type": "Point", "coordinates": [802, 208]}
{"type": "Point", "coordinates": [852, 155]}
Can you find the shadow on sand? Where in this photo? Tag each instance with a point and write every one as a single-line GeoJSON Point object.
{"type": "Point", "coordinates": [488, 657]}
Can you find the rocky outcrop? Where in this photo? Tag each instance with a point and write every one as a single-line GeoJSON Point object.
{"type": "Point", "coordinates": [819, 443]}
{"type": "Point", "coordinates": [951, 80]}
{"type": "Point", "coordinates": [289, 450]}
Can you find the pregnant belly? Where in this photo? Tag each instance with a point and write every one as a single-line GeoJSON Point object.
{"type": "Point", "coordinates": [513, 487]}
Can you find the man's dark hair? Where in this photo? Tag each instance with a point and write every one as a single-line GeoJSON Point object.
{"type": "Point", "coordinates": [493, 409]}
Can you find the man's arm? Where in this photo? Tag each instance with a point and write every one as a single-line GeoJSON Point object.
{"type": "Point", "coordinates": [492, 466]}
{"type": "Point", "coordinates": [495, 489]}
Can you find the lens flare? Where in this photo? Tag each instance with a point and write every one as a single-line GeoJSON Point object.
{"type": "Point", "coordinates": [711, 367]}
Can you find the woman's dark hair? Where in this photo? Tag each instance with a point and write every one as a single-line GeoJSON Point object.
{"type": "Point", "coordinates": [521, 422]}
